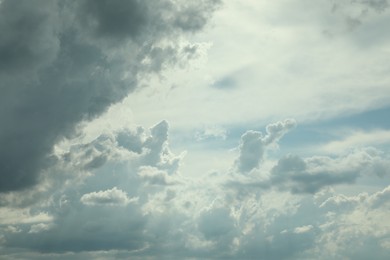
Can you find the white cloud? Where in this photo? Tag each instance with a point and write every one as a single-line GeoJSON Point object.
{"type": "Point", "coordinates": [358, 139]}
{"type": "Point", "coordinates": [303, 229]}
{"type": "Point", "coordinates": [258, 214]}
{"type": "Point", "coordinates": [40, 227]}
{"type": "Point", "coordinates": [253, 144]}
{"type": "Point", "coordinates": [277, 130]}
{"type": "Point", "coordinates": [13, 216]}
{"type": "Point", "coordinates": [251, 151]}
{"type": "Point", "coordinates": [154, 176]}
{"type": "Point", "coordinates": [111, 197]}
{"type": "Point", "coordinates": [314, 173]}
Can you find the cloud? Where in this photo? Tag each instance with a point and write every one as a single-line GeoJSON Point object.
{"type": "Point", "coordinates": [123, 193]}
{"type": "Point", "coordinates": [251, 151]}
{"type": "Point", "coordinates": [66, 62]}
{"type": "Point", "coordinates": [301, 175]}
{"type": "Point", "coordinates": [37, 228]}
{"type": "Point", "coordinates": [340, 203]}
{"type": "Point", "coordinates": [23, 216]}
{"type": "Point", "coordinates": [311, 174]}
{"type": "Point", "coordinates": [253, 144]}
{"type": "Point", "coordinates": [358, 139]}
{"type": "Point", "coordinates": [211, 132]}
{"type": "Point", "coordinates": [111, 197]}
{"type": "Point", "coordinates": [225, 83]}
{"type": "Point", "coordinates": [303, 229]}
{"type": "Point", "coordinates": [352, 224]}
{"type": "Point", "coordinates": [277, 130]}
{"type": "Point", "coordinates": [132, 141]}
{"type": "Point", "coordinates": [216, 223]}
{"type": "Point", "coordinates": [128, 207]}
{"type": "Point", "coordinates": [153, 176]}
{"type": "Point", "coordinates": [380, 198]}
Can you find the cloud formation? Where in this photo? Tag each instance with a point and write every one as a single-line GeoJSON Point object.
{"type": "Point", "coordinates": [253, 144]}
{"type": "Point", "coordinates": [137, 204]}
{"type": "Point", "coordinates": [130, 192]}
{"type": "Point", "coordinates": [111, 197]}
{"type": "Point", "coordinates": [65, 62]}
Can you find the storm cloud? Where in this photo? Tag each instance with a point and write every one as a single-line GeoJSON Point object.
{"type": "Point", "coordinates": [64, 62]}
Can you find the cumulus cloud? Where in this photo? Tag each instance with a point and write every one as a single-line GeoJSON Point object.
{"type": "Point", "coordinates": [129, 207]}
{"type": "Point", "coordinates": [251, 151]}
{"type": "Point", "coordinates": [277, 130]}
{"type": "Point", "coordinates": [65, 62]}
{"type": "Point", "coordinates": [253, 144]}
{"type": "Point", "coordinates": [111, 197]}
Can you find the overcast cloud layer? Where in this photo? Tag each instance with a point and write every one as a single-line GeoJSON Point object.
{"type": "Point", "coordinates": [171, 129]}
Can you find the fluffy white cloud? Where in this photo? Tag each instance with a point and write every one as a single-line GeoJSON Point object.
{"type": "Point", "coordinates": [111, 197]}
{"type": "Point", "coordinates": [256, 215]}
{"type": "Point", "coordinates": [303, 229]}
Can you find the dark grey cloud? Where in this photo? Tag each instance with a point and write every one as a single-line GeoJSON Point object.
{"type": "Point", "coordinates": [115, 19]}
{"type": "Point", "coordinates": [62, 62]}
{"type": "Point", "coordinates": [29, 36]}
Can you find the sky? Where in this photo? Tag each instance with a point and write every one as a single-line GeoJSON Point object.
{"type": "Point", "coordinates": [210, 129]}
